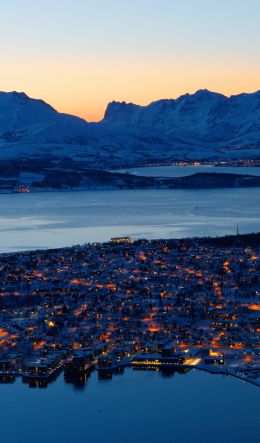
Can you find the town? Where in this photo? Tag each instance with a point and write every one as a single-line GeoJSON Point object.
{"type": "Point", "coordinates": [171, 305]}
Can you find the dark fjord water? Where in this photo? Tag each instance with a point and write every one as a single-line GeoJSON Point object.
{"type": "Point", "coordinates": [133, 407]}
{"type": "Point", "coordinates": [46, 220]}
{"type": "Point", "coordinates": [182, 171]}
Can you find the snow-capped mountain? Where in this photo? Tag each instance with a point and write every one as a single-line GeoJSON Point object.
{"type": "Point", "coordinates": [204, 125]}
{"type": "Point", "coordinates": [24, 118]}
{"type": "Point", "coordinates": [201, 119]}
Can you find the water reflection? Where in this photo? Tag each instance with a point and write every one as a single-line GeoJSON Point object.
{"type": "Point", "coordinates": [77, 379]}
{"type": "Point", "coordinates": [41, 382]}
{"type": "Point", "coordinates": [137, 406]}
{"type": "Point", "coordinates": [80, 379]}
{"type": "Point", "coordinates": [7, 379]}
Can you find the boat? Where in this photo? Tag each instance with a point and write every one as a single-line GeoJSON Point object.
{"type": "Point", "coordinates": [23, 189]}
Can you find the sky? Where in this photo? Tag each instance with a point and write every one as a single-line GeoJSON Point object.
{"type": "Point", "coordinates": [78, 55]}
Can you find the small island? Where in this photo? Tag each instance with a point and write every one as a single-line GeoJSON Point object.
{"type": "Point", "coordinates": [172, 305]}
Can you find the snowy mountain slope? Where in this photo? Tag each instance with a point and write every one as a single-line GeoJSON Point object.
{"type": "Point", "coordinates": [23, 118]}
{"type": "Point", "coordinates": [204, 125]}
{"type": "Point", "coordinates": [205, 117]}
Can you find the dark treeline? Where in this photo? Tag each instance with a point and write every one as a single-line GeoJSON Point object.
{"type": "Point", "coordinates": [240, 240]}
{"type": "Point", "coordinates": [243, 240]}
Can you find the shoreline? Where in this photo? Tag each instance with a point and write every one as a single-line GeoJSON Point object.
{"type": "Point", "coordinates": [105, 189]}
{"type": "Point", "coordinates": [105, 372]}
{"type": "Point", "coordinates": [114, 304]}
{"type": "Point", "coordinates": [108, 180]}
{"type": "Point", "coordinates": [204, 239]}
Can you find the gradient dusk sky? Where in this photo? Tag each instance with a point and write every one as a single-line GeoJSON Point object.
{"type": "Point", "coordinates": [80, 54]}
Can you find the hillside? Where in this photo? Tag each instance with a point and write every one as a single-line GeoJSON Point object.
{"type": "Point", "coordinates": [200, 126]}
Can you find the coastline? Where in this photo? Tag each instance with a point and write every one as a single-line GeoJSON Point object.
{"type": "Point", "coordinates": [100, 180]}
{"type": "Point", "coordinates": [47, 284]}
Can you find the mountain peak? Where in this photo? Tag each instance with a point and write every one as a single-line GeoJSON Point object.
{"type": "Point", "coordinates": [115, 108]}
{"type": "Point", "coordinates": [21, 99]}
{"type": "Point", "coordinates": [204, 92]}
{"type": "Point", "coordinates": [19, 95]}
{"type": "Point", "coordinates": [24, 117]}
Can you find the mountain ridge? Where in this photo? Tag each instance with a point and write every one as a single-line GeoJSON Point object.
{"type": "Point", "coordinates": [199, 92]}
{"type": "Point", "coordinates": [201, 126]}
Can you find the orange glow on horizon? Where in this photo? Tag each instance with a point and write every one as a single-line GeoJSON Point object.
{"type": "Point", "coordinates": [85, 89]}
